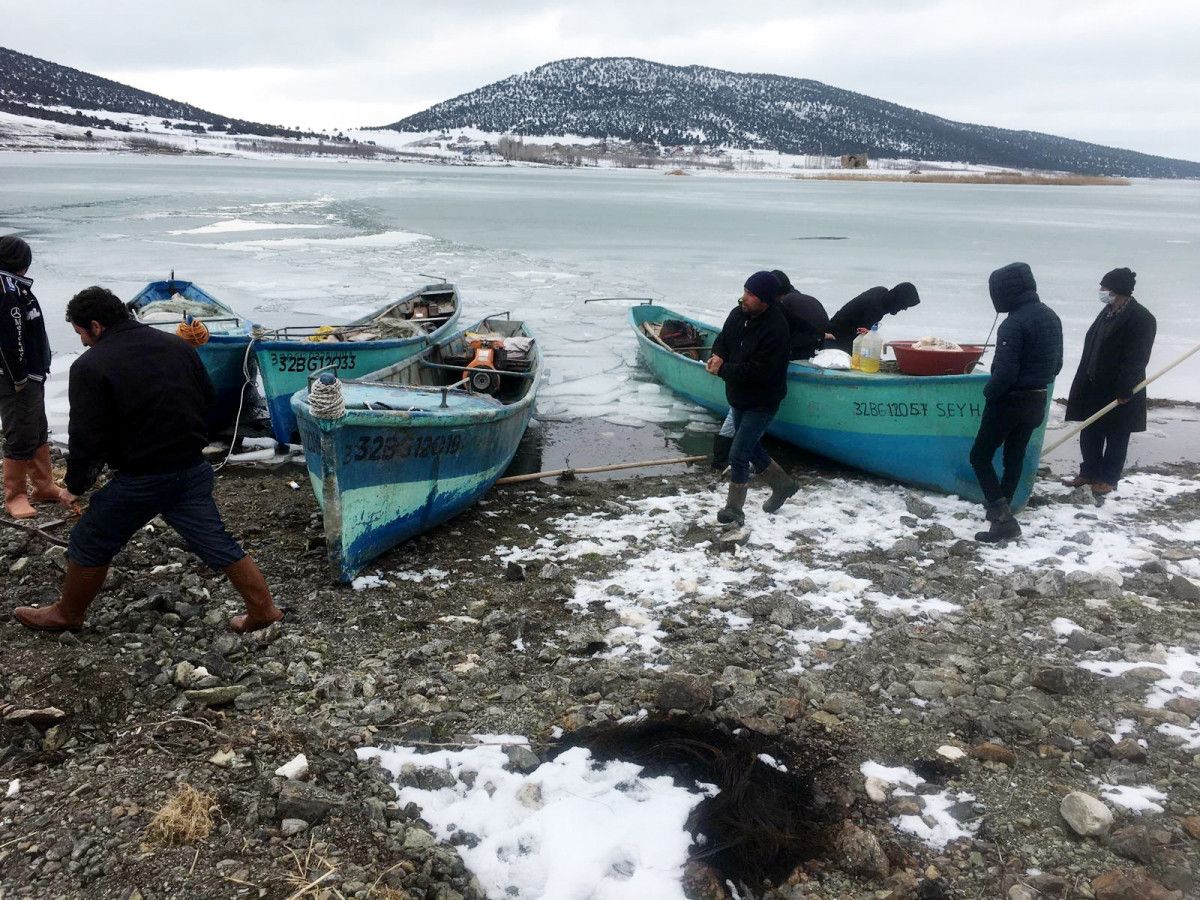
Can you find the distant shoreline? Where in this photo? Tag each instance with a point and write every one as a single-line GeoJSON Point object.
{"type": "Point", "coordinates": [1007, 178]}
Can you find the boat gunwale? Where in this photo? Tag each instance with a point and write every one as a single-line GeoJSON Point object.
{"type": "Point", "coordinates": [239, 334]}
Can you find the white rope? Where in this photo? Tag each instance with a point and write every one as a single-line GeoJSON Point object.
{"type": "Point", "coordinates": [241, 403]}
{"type": "Point", "coordinates": [326, 400]}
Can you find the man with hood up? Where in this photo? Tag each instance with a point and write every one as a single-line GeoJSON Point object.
{"type": "Point", "coordinates": [867, 309]}
{"type": "Point", "coordinates": [1029, 354]}
{"type": "Point", "coordinates": [1115, 353]}
{"type": "Point", "coordinates": [751, 356]}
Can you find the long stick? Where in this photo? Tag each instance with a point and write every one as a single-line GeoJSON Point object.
{"type": "Point", "coordinates": [1103, 411]}
{"type": "Point", "coordinates": [38, 530]}
{"type": "Point", "coordinates": [534, 476]}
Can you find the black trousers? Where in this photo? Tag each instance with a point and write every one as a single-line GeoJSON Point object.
{"type": "Point", "coordinates": [1103, 449]}
{"type": "Point", "coordinates": [1007, 422]}
{"type": "Point", "coordinates": [23, 418]}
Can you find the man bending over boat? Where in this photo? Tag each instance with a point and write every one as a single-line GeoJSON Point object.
{"type": "Point", "coordinates": [138, 403]}
{"type": "Point", "coordinates": [1029, 353]}
{"type": "Point", "coordinates": [868, 309]}
{"type": "Point", "coordinates": [751, 356]}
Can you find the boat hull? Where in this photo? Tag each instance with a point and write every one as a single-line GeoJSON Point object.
{"type": "Point", "coordinates": [229, 367]}
{"type": "Point", "coordinates": [911, 429]}
{"type": "Point", "coordinates": [286, 366]}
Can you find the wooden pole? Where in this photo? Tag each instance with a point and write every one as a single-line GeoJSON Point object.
{"type": "Point", "coordinates": [38, 530]}
{"type": "Point", "coordinates": [1103, 411]}
{"type": "Point", "coordinates": [534, 476]}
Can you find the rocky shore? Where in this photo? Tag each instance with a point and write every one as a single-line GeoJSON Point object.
{"type": "Point", "coordinates": [977, 722]}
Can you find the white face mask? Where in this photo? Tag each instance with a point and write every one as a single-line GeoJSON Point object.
{"type": "Point", "coordinates": [1106, 297]}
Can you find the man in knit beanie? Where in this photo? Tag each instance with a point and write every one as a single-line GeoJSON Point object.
{"type": "Point", "coordinates": [751, 356]}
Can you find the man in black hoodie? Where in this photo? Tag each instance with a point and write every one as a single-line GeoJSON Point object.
{"type": "Point", "coordinates": [1029, 353]}
{"type": "Point", "coordinates": [139, 399]}
{"type": "Point", "coordinates": [751, 356]}
{"type": "Point", "coordinates": [806, 317]}
{"type": "Point", "coordinates": [1115, 353]}
{"type": "Point", "coordinates": [867, 309]}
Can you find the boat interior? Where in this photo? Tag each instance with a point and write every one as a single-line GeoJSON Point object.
{"type": "Point", "coordinates": [170, 311]}
{"type": "Point", "coordinates": [414, 316]}
{"type": "Point", "coordinates": [495, 358]}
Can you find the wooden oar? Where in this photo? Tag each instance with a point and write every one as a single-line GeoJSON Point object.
{"type": "Point", "coordinates": [1103, 411]}
{"type": "Point", "coordinates": [534, 476]}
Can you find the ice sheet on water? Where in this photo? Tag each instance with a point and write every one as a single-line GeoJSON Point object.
{"type": "Point", "coordinates": [239, 225]}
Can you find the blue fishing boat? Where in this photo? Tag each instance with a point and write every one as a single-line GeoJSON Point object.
{"type": "Point", "coordinates": [408, 447]}
{"type": "Point", "coordinates": [402, 328]}
{"type": "Point", "coordinates": [175, 306]}
{"type": "Point", "coordinates": [917, 430]}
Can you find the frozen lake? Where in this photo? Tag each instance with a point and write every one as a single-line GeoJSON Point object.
{"type": "Point", "coordinates": [308, 242]}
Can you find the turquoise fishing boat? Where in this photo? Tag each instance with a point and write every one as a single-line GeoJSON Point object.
{"type": "Point", "coordinates": [166, 305]}
{"type": "Point", "coordinates": [917, 430]}
{"type": "Point", "coordinates": [417, 442]}
{"type": "Point", "coordinates": [404, 327]}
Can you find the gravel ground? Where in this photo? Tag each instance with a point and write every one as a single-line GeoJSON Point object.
{"type": "Point", "coordinates": [478, 628]}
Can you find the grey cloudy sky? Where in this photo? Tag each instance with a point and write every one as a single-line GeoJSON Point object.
{"type": "Point", "coordinates": [1114, 72]}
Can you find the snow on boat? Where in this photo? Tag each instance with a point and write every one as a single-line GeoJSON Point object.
{"type": "Point", "coordinates": [418, 441]}
{"type": "Point", "coordinates": [167, 305]}
{"type": "Point", "coordinates": [917, 430]}
{"type": "Point", "coordinates": [404, 327]}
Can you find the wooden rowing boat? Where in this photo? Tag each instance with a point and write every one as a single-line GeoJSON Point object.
{"type": "Point", "coordinates": [163, 305]}
{"type": "Point", "coordinates": [917, 430]}
{"type": "Point", "coordinates": [420, 440]}
{"type": "Point", "coordinates": [287, 357]}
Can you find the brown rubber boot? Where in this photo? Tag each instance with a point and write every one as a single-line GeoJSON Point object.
{"type": "Point", "coordinates": [41, 477]}
{"type": "Point", "coordinates": [261, 610]}
{"type": "Point", "coordinates": [80, 588]}
{"type": "Point", "coordinates": [16, 491]}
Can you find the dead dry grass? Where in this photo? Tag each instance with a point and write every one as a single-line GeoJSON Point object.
{"type": "Point", "coordinates": [981, 178]}
{"type": "Point", "coordinates": [186, 817]}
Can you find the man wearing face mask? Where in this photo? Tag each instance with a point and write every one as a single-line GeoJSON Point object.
{"type": "Point", "coordinates": [1115, 353]}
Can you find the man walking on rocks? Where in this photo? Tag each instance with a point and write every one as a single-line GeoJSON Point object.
{"type": "Point", "coordinates": [138, 402]}
{"type": "Point", "coordinates": [751, 356]}
{"type": "Point", "coordinates": [1029, 353]}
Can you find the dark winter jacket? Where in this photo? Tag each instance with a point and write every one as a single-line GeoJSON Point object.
{"type": "Point", "coordinates": [807, 320]}
{"type": "Point", "coordinates": [24, 347]}
{"type": "Point", "coordinates": [1120, 345]}
{"type": "Point", "coordinates": [139, 398]}
{"type": "Point", "coordinates": [1029, 346]}
{"type": "Point", "coordinates": [755, 350]}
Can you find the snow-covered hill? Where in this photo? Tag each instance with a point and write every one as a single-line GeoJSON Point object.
{"type": "Point", "coordinates": [641, 101]}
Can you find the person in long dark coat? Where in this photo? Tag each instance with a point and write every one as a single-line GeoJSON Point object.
{"type": "Point", "coordinates": [1115, 353]}
{"type": "Point", "coordinates": [806, 318]}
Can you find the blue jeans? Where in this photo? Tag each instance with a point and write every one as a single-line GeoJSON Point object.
{"type": "Point", "coordinates": [749, 426]}
{"type": "Point", "coordinates": [1104, 450]}
{"type": "Point", "coordinates": [123, 506]}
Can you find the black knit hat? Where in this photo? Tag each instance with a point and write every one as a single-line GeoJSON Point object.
{"type": "Point", "coordinates": [15, 255]}
{"type": "Point", "coordinates": [785, 283]}
{"type": "Point", "coordinates": [1119, 281]}
{"type": "Point", "coordinates": [764, 286]}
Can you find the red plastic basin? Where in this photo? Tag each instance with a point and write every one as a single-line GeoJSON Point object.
{"type": "Point", "coordinates": [936, 362]}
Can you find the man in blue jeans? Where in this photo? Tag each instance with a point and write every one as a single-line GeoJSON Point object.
{"type": "Point", "coordinates": [138, 402]}
{"type": "Point", "coordinates": [751, 356]}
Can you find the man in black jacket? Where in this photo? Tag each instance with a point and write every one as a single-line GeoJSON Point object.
{"type": "Point", "coordinates": [867, 309]}
{"type": "Point", "coordinates": [24, 365]}
{"type": "Point", "coordinates": [1115, 353]}
{"type": "Point", "coordinates": [806, 317]}
{"type": "Point", "coordinates": [751, 356]}
{"type": "Point", "coordinates": [1029, 353]}
{"type": "Point", "coordinates": [138, 402]}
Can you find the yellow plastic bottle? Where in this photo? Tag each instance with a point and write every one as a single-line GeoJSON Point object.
{"type": "Point", "coordinates": [870, 351]}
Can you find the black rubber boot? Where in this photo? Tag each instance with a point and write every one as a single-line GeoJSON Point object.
{"type": "Point", "coordinates": [1003, 526]}
{"type": "Point", "coordinates": [720, 452]}
{"type": "Point", "coordinates": [782, 486]}
{"type": "Point", "coordinates": [736, 499]}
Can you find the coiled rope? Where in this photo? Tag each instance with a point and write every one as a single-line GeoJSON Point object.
{"type": "Point", "coordinates": [193, 331]}
{"type": "Point", "coordinates": [325, 397]}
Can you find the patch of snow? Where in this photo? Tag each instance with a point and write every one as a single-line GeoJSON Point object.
{"type": "Point", "coordinates": [1137, 799]}
{"type": "Point", "coordinates": [369, 582]}
{"type": "Point", "coordinates": [573, 829]}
